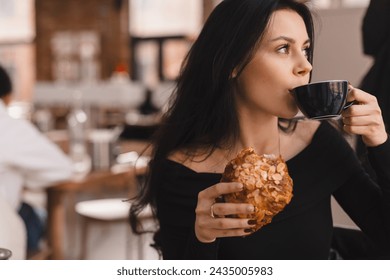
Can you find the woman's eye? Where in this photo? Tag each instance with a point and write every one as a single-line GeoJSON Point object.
{"type": "Point", "coordinates": [306, 52]}
{"type": "Point", "coordinates": [283, 49]}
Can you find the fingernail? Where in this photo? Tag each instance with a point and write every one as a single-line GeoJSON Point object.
{"type": "Point", "coordinates": [252, 222]}
{"type": "Point", "coordinates": [251, 209]}
{"type": "Point", "coordinates": [248, 230]}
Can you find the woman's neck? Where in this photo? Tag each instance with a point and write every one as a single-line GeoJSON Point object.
{"type": "Point", "coordinates": [261, 132]}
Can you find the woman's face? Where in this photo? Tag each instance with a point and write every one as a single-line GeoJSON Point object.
{"type": "Point", "coordinates": [279, 65]}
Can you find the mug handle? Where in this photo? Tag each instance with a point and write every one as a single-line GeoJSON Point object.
{"type": "Point", "coordinates": [349, 104]}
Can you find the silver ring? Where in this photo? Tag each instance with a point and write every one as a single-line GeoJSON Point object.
{"type": "Point", "coordinates": [212, 211]}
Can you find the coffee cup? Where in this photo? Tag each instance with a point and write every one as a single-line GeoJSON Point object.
{"type": "Point", "coordinates": [322, 100]}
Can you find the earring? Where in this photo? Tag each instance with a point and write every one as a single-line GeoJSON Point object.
{"type": "Point", "coordinates": [233, 75]}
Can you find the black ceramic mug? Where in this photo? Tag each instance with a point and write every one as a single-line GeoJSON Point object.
{"type": "Point", "coordinates": [322, 100]}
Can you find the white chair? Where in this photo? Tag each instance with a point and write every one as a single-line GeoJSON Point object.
{"type": "Point", "coordinates": [13, 234]}
{"type": "Point", "coordinates": [111, 210]}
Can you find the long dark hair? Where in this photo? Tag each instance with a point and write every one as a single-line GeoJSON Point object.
{"type": "Point", "coordinates": [202, 112]}
{"type": "Point", "coordinates": [5, 83]}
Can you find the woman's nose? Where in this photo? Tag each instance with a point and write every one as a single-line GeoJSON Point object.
{"type": "Point", "coordinates": [303, 66]}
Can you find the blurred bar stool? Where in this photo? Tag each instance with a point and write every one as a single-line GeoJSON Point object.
{"type": "Point", "coordinates": [110, 210]}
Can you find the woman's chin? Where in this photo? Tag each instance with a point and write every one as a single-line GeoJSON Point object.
{"type": "Point", "coordinates": [289, 114]}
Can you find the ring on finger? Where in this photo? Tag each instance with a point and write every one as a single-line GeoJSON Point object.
{"type": "Point", "coordinates": [212, 214]}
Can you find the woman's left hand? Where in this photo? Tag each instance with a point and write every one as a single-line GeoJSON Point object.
{"type": "Point", "coordinates": [364, 118]}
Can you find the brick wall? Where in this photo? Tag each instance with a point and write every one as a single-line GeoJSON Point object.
{"type": "Point", "coordinates": [108, 17]}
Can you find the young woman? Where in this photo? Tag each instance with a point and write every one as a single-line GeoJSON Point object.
{"type": "Point", "coordinates": [233, 93]}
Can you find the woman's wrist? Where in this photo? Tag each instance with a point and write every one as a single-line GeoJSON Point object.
{"type": "Point", "coordinates": [376, 141]}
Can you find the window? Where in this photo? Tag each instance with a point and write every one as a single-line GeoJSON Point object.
{"type": "Point", "coordinates": [16, 21]}
{"type": "Point", "coordinates": [326, 4]}
{"type": "Point", "coordinates": [155, 18]}
{"type": "Point", "coordinates": [17, 32]}
{"type": "Point", "coordinates": [161, 32]}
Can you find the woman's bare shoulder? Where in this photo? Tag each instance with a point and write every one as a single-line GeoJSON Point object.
{"type": "Point", "coordinates": [200, 161]}
{"type": "Point", "coordinates": [178, 156]}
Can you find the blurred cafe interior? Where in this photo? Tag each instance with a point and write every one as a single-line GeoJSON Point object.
{"type": "Point", "coordinates": [106, 69]}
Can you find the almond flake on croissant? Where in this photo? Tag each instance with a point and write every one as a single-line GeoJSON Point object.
{"type": "Point", "coordinates": [267, 184]}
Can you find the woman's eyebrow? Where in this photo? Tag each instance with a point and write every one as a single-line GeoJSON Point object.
{"type": "Point", "coordinates": [288, 39]}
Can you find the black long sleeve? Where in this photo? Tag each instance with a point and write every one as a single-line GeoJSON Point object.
{"type": "Point", "coordinates": [367, 203]}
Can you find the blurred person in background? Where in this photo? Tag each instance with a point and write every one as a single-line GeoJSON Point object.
{"type": "Point", "coordinates": [27, 159]}
{"type": "Point", "coordinates": [376, 43]}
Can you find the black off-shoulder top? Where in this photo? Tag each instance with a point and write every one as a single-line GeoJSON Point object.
{"type": "Point", "coordinates": [303, 230]}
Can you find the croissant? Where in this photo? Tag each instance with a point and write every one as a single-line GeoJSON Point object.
{"type": "Point", "coordinates": [267, 185]}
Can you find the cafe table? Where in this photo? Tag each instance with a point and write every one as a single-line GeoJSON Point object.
{"type": "Point", "coordinates": [115, 179]}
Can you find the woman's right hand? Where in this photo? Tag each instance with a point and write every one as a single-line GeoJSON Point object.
{"type": "Point", "coordinates": [210, 220]}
